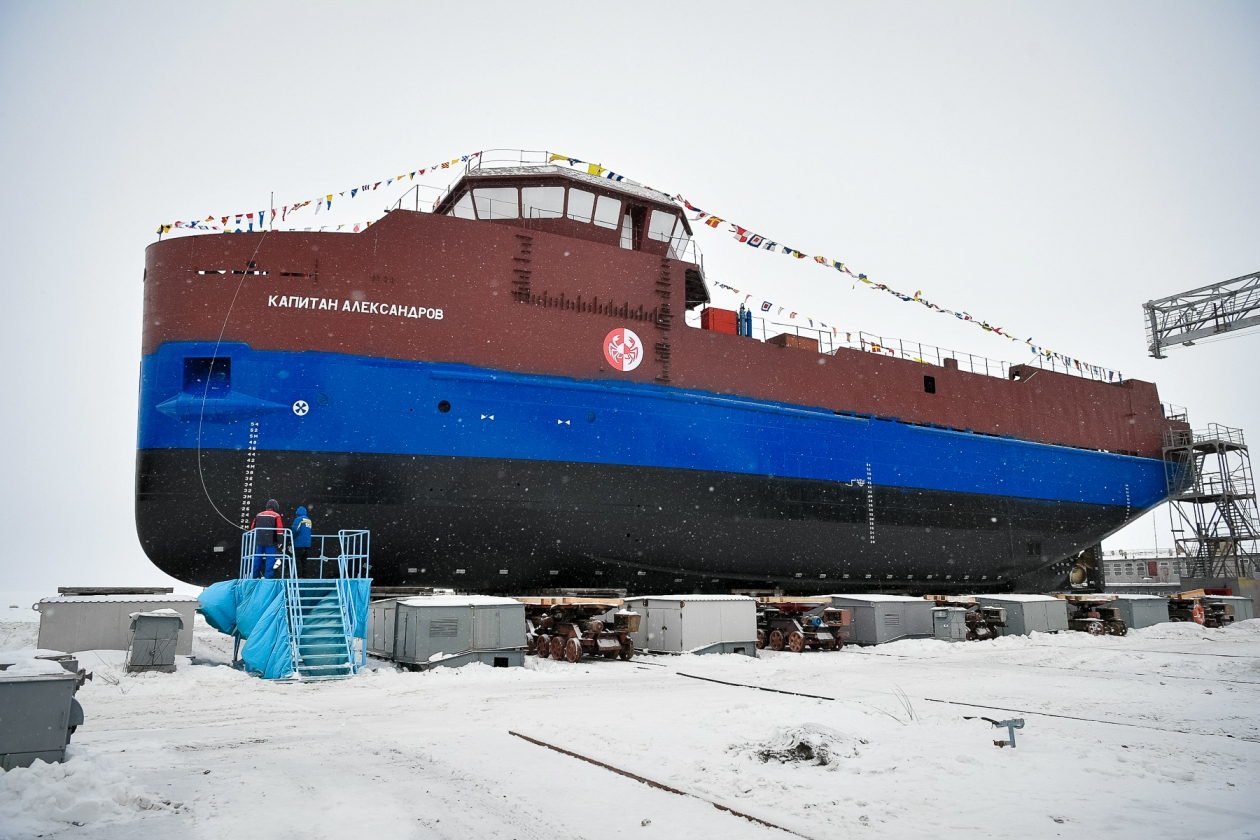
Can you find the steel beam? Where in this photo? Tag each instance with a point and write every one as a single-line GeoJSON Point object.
{"type": "Point", "coordinates": [1200, 313]}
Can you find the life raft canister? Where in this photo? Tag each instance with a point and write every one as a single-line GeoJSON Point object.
{"type": "Point", "coordinates": [1198, 613]}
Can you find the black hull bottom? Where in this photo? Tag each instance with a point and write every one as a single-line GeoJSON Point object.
{"type": "Point", "coordinates": [493, 525]}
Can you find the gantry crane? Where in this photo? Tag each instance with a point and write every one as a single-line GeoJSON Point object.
{"type": "Point", "coordinates": [1220, 308]}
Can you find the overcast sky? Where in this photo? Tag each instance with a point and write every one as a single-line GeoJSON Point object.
{"type": "Point", "coordinates": [1045, 166]}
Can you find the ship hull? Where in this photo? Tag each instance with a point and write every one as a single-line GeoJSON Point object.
{"type": "Point", "coordinates": [491, 524]}
{"type": "Point", "coordinates": [495, 481]}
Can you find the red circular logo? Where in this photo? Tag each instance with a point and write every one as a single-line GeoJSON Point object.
{"type": "Point", "coordinates": [623, 349]}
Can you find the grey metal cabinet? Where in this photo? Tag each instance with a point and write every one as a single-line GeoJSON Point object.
{"type": "Point", "coordinates": [695, 624]}
{"type": "Point", "coordinates": [37, 712]}
{"type": "Point", "coordinates": [878, 619]}
{"type": "Point", "coordinates": [1138, 611]}
{"type": "Point", "coordinates": [1029, 613]}
{"type": "Point", "coordinates": [449, 630]}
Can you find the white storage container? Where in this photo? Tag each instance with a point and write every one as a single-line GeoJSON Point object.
{"type": "Point", "coordinates": [103, 622]}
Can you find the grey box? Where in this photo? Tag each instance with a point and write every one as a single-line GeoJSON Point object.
{"type": "Point", "coordinates": [949, 623]}
{"type": "Point", "coordinates": [695, 624]}
{"type": "Point", "coordinates": [1028, 613]}
{"type": "Point", "coordinates": [1138, 611]}
{"type": "Point", "coordinates": [1244, 608]}
{"type": "Point", "coordinates": [885, 618]}
{"type": "Point", "coordinates": [103, 622]}
{"type": "Point", "coordinates": [381, 627]}
{"type": "Point", "coordinates": [153, 638]}
{"type": "Point", "coordinates": [37, 712]}
{"type": "Point", "coordinates": [450, 630]}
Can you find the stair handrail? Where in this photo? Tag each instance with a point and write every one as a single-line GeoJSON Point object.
{"type": "Point", "coordinates": [249, 549]}
{"type": "Point", "coordinates": [293, 607]}
{"type": "Point", "coordinates": [354, 562]}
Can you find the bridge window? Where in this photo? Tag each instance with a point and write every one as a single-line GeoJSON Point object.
{"type": "Point", "coordinates": [662, 226]}
{"type": "Point", "coordinates": [581, 205]}
{"type": "Point", "coordinates": [463, 209]}
{"type": "Point", "coordinates": [679, 241]}
{"type": "Point", "coordinates": [542, 202]}
{"type": "Point", "coordinates": [607, 212]}
{"type": "Point", "coordinates": [627, 232]}
{"type": "Point", "coordinates": [496, 203]}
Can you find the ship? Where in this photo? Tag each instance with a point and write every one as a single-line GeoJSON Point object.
{"type": "Point", "coordinates": [527, 387]}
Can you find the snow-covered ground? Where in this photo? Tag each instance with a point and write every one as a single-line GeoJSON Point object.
{"type": "Point", "coordinates": [1149, 736]}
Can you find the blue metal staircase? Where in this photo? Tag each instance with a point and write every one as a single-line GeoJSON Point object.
{"type": "Point", "coordinates": [318, 633]}
{"type": "Point", "coordinates": [320, 619]}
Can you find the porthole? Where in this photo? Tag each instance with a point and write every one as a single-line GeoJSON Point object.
{"type": "Point", "coordinates": [444, 406]}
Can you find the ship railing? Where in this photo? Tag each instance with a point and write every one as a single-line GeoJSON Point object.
{"type": "Point", "coordinates": [354, 558]}
{"type": "Point", "coordinates": [831, 340]}
{"type": "Point", "coordinates": [1133, 554]}
{"type": "Point", "coordinates": [495, 159]}
{"type": "Point", "coordinates": [1175, 412]}
{"type": "Point", "coordinates": [345, 554]}
{"type": "Point", "coordinates": [1223, 434]}
{"type": "Point", "coordinates": [421, 198]}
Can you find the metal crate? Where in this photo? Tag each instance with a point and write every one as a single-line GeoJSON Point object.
{"type": "Point", "coordinates": [1029, 613]}
{"type": "Point", "coordinates": [696, 624]}
{"type": "Point", "coordinates": [38, 715]}
{"type": "Point", "coordinates": [1243, 608]}
{"type": "Point", "coordinates": [949, 623]}
{"type": "Point", "coordinates": [878, 619]}
{"type": "Point", "coordinates": [451, 630]}
{"type": "Point", "coordinates": [1138, 611]}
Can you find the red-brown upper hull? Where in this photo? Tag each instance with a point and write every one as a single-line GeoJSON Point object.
{"type": "Point", "coordinates": [534, 302]}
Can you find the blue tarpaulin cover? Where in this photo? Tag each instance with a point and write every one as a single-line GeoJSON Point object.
{"type": "Point", "coordinates": [256, 610]}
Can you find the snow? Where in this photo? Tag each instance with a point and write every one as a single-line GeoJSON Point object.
{"type": "Point", "coordinates": [874, 598]}
{"type": "Point", "coordinates": [691, 598]}
{"type": "Point", "coordinates": [1016, 598]}
{"type": "Point", "coordinates": [1154, 735]}
{"type": "Point", "coordinates": [81, 791]}
{"type": "Point", "coordinates": [459, 601]}
{"type": "Point", "coordinates": [117, 599]}
{"type": "Point", "coordinates": [25, 664]}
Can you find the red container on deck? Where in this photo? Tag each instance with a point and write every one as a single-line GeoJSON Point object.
{"type": "Point", "coordinates": [720, 320]}
{"type": "Point", "coordinates": [790, 340]}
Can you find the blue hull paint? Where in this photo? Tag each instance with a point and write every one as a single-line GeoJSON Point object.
{"type": "Point", "coordinates": [367, 405]}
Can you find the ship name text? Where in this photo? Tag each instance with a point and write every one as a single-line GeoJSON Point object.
{"type": "Point", "coordinates": [365, 307]}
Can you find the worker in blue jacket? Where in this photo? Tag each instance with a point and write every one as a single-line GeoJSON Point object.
{"type": "Point", "coordinates": [302, 544]}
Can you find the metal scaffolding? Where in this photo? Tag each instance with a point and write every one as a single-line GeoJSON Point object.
{"type": "Point", "coordinates": [1212, 502]}
{"type": "Point", "coordinates": [1220, 308]}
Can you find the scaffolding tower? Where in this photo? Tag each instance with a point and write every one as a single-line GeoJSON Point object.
{"type": "Point", "coordinates": [1212, 502]}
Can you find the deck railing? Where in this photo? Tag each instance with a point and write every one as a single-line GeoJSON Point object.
{"type": "Point", "coordinates": [830, 340]}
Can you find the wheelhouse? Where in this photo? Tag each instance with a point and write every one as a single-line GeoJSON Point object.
{"type": "Point", "coordinates": [558, 200]}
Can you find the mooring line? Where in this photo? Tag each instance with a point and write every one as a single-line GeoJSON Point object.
{"type": "Point", "coordinates": [757, 687]}
{"type": "Point", "coordinates": [1096, 720]}
{"type": "Point", "coordinates": [657, 785]}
